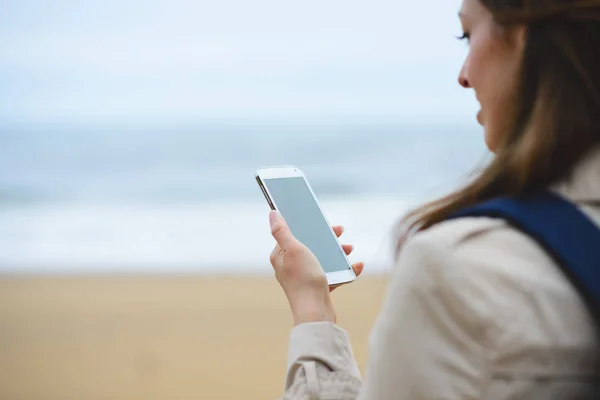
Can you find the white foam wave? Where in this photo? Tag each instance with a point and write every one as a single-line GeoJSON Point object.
{"type": "Point", "coordinates": [208, 238]}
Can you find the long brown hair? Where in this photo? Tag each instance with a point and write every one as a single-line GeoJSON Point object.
{"type": "Point", "coordinates": [556, 116]}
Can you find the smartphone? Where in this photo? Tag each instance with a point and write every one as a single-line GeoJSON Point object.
{"type": "Point", "coordinates": [288, 192]}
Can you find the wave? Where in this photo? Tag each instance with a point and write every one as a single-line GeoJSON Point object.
{"type": "Point", "coordinates": [229, 237]}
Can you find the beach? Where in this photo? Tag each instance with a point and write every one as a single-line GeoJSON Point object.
{"type": "Point", "coordinates": [157, 336]}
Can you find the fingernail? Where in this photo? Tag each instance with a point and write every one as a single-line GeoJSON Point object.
{"type": "Point", "coordinates": [273, 215]}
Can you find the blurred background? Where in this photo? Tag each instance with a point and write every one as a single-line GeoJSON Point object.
{"type": "Point", "coordinates": [134, 240]}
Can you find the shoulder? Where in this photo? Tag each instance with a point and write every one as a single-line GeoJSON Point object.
{"type": "Point", "coordinates": [478, 245]}
{"type": "Point", "coordinates": [478, 270]}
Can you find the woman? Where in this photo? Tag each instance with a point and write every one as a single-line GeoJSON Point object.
{"type": "Point", "coordinates": [475, 308]}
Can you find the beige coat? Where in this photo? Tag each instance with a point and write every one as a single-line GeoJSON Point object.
{"type": "Point", "coordinates": [475, 310]}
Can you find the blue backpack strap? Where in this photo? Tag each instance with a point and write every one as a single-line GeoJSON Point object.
{"type": "Point", "coordinates": [561, 229]}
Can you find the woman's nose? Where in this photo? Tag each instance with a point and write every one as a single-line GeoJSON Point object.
{"type": "Point", "coordinates": [462, 78]}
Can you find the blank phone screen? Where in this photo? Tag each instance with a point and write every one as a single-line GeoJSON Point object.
{"type": "Point", "coordinates": [296, 204]}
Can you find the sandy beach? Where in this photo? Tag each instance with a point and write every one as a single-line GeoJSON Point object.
{"type": "Point", "coordinates": [157, 337]}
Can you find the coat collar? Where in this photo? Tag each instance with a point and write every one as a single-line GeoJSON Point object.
{"type": "Point", "coordinates": [584, 184]}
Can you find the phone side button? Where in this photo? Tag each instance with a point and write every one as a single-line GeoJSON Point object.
{"type": "Point", "coordinates": [262, 188]}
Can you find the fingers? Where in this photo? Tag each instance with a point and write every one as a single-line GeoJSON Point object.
{"type": "Point", "coordinates": [285, 239]}
{"type": "Point", "coordinates": [348, 248]}
{"type": "Point", "coordinates": [338, 229]}
{"type": "Point", "coordinates": [280, 231]}
{"type": "Point", "coordinates": [358, 268]}
{"type": "Point", "coordinates": [274, 258]}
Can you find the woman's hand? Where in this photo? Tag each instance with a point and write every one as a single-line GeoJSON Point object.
{"type": "Point", "coordinates": [301, 276]}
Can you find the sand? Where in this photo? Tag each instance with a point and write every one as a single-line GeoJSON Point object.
{"type": "Point", "coordinates": [157, 337]}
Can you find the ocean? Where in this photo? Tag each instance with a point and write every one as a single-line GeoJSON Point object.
{"type": "Point", "coordinates": [183, 199]}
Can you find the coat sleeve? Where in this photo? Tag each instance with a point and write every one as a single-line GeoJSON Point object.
{"type": "Point", "coordinates": [425, 344]}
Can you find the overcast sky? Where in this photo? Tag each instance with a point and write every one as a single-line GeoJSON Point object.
{"type": "Point", "coordinates": [151, 61]}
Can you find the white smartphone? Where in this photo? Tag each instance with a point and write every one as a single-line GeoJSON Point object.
{"type": "Point", "coordinates": [288, 192]}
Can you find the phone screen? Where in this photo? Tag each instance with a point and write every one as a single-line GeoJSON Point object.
{"type": "Point", "coordinates": [298, 207]}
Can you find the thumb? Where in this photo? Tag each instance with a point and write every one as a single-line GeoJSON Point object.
{"type": "Point", "coordinates": [280, 230]}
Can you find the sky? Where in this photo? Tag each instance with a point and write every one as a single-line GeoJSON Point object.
{"type": "Point", "coordinates": [145, 62]}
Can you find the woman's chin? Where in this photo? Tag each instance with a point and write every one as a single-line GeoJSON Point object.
{"type": "Point", "coordinates": [489, 140]}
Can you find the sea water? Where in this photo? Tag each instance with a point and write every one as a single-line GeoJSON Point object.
{"type": "Point", "coordinates": [184, 199]}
